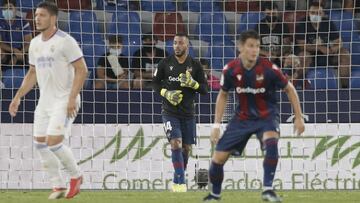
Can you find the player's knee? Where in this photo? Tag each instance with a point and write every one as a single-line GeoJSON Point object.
{"type": "Point", "coordinates": [186, 148]}
{"type": "Point", "coordinates": [175, 143]}
{"type": "Point", "coordinates": [220, 157]}
{"type": "Point", "coordinates": [40, 139]}
{"type": "Point", "coordinates": [271, 148]}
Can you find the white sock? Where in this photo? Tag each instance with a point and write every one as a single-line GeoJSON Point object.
{"type": "Point", "coordinates": [65, 155]}
{"type": "Point", "coordinates": [50, 164]}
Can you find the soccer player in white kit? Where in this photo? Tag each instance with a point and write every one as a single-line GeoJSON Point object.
{"type": "Point", "coordinates": [57, 65]}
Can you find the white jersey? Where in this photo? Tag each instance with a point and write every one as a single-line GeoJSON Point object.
{"type": "Point", "coordinates": [52, 60]}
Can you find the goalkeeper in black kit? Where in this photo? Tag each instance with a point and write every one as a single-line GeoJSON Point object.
{"type": "Point", "coordinates": [177, 79]}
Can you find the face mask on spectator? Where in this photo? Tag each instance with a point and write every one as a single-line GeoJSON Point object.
{"type": "Point", "coordinates": [8, 14]}
{"type": "Point", "coordinates": [115, 52]}
{"type": "Point", "coordinates": [315, 18]}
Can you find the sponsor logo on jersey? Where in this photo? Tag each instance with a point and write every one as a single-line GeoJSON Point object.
{"type": "Point", "coordinates": [174, 79]}
{"type": "Point", "coordinates": [259, 77]}
{"type": "Point", "coordinates": [189, 68]}
{"type": "Point", "coordinates": [171, 67]}
{"type": "Point", "coordinates": [250, 90]}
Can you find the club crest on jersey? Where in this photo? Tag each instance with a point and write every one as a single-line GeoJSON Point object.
{"type": "Point", "coordinates": [171, 67]}
{"type": "Point", "coordinates": [260, 77]}
{"type": "Point", "coordinates": [238, 76]}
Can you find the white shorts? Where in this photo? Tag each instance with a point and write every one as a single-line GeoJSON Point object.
{"type": "Point", "coordinates": [52, 120]}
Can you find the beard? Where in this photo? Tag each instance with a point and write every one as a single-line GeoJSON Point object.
{"type": "Point", "coordinates": [180, 54]}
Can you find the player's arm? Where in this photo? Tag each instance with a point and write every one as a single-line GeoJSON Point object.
{"type": "Point", "coordinates": [80, 75]}
{"type": "Point", "coordinates": [295, 103]}
{"type": "Point", "coordinates": [201, 79]}
{"type": "Point", "coordinates": [27, 84]}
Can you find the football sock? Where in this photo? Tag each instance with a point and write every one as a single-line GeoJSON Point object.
{"type": "Point", "coordinates": [216, 175]}
{"type": "Point", "coordinates": [178, 163]}
{"type": "Point", "coordinates": [65, 155]}
{"type": "Point", "coordinates": [270, 161]}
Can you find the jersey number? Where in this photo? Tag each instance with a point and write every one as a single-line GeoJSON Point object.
{"type": "Point", "coordinates": [167, 126]}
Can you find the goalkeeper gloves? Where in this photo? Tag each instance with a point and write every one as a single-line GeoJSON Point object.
{"type": "Point", "coordinates": [173, 96]}
{"type": "Point", "coordinates": [187, 81]}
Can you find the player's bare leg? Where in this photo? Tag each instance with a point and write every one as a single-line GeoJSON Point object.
{"type": "Point", "coordinates": [51, 165]}
{"type": "Point", "coordinates": [178, 163]}
{"type": "Point", "coordinates": [66, 157]}
{"type": "Point", "coordinates": [216, 175]}
{"type": "Point", "coordinates": [270, 141]}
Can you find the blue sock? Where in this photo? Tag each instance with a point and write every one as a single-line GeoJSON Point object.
{"type": "Point", "coordinates": [178, 163]}
{"type": "Point", "coordinates": [186, 158]}
{"type": "Point", "coordinates": [216, 175]}
{"type": "Point", "coordinates": [270, 161]}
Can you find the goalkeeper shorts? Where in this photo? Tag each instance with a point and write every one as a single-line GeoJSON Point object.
{"type": "Point", "coordinates": [184, 128]}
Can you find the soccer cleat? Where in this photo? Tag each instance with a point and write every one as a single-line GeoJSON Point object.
{"type": "Point", "coordinates": [57, 193]}
{"type": "Point", "coordinates": [270, 196]}
{"type": "Point", "coordinates": [174, 187]}
{"type": "Point", "coordinates": [74, 187]}
{"type": "Point", "coordinates": [182, 188]}
{"type": "Point", "coordinates": [211, 198]}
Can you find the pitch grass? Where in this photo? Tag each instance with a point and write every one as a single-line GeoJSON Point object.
{"type": "Point", "coordinates": [189, 197]}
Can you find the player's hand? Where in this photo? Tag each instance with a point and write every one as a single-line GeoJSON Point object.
{"type": "Point", "coordinates": [173, 96]}
{"type": "Point", "coordinates": [187, 81]}
{"type": "Point", "coordinates": [215, 135]}
{"type": "Point", "coordinates": [71, 108]}
{"type": "Point", "coordinates": [299, 126]}
{"type": "Point", "coordinates": [14, 106]}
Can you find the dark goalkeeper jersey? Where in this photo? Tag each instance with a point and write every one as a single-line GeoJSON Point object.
{"type": "Point", "coordinates": [167, 76]}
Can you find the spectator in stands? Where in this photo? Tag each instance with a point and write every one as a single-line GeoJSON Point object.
{"type": "Point", "coordinates": [319, 44]}
{"type": "Point", "coordinates": [213, 81]}
{"type": "Point", "coordinates": [16, 35]}
{"type": "Point", "coordinates": [145, 61]}
{"type": "Point", "coordinates": [274, 34]}
{"type": "Point", "coordinates": [112, 71]}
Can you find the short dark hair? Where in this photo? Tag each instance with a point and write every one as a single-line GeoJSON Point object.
{"type": "Point", "coordinates": [13, 2]}
{"type": "Point", "coordinates": [149, 36]}
{"type": "Point", "coordinates": [248, 34]}
{"type": "Point", "coordinates": [181, 34]}
{"type": "Point", "coordinates": [270, 5]}
{"type": "Point", "coordinates": [49, 6]}
{"type": "Point", "coordinates": [315, 3]}
{"type": "Point", "coordinates": [115, 39]}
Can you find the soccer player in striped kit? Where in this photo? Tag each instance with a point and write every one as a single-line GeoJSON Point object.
{"type": "Point", "coordinates": [255, 81]}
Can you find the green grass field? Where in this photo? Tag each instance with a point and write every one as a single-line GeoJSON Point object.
{"type": "Point", "coordinates": [189, 197]}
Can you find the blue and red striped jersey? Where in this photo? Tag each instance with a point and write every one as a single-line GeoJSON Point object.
{"type": "Point", "coordinates": [255, 88]}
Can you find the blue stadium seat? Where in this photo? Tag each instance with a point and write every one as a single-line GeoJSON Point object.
{"type": "Point", "coordinates": [355, 78]}
{"type": "Point", "coordinates": [92, 53]}
{"type": "Point", "coordinates": [201, 6]}
{"type": "Point", "coordinates": [120, 6]}
{"type": "Point", "coordinates": [12, 78]}
{"type": "Point", "coordinates": [128, 25]}
{"type": "Point", "coordinates": [322, 78]}
{"type": "Point", "coordinates": [26, 5]}
{"type": "Point", "coordinates": [169, 48]}
{"type": "Point", "coordinates": [84, 26]}
{"type": "Point", "coordinates": [345, 23]}
{"type": "Point", "coordinates": [155, 6]}
{"type": "Point", "coordinates": [220, 54]}
{"type": "Point", "coordinates": [212, 27]}
{"type": "Point", "coordinates": [249, 21]}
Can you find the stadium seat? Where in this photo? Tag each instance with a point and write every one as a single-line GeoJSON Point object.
{"type": "Point", "coordinates": [12, 78]}
{"type": "Point", "coordinates": [201, 6]}
{"type": "Point", "coordinates": [345, 23]}
{"type": "Point", "coordinates": [84, 26]}
{"type": "Point", "coordinates": [355, 78]}
{"type": "Point", "coordinates": [169, 48]}
{"type": "Point", "coordinates": [127, 24]}
{"type": "Point", "coordinates": [220, 54]}
{"type": "Point", "coordinates": [212, 27]}
{"type": "Point", "coordinates": [249, 21]}
{"type": "Point", "coordinates": [322, 78]}
{"type": "Point", "coordinates": [26, 5]}
{"type": "Point", "coordinates": [92, 53]}
{"type": "Point", "coordinates": [158, 6]}
{"type": "Point", "coordinates": [166, 25]}
{"type": "Point", "coordinates": [242, 6]}
{"type": "Point", "coordinates": [73, 5]}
